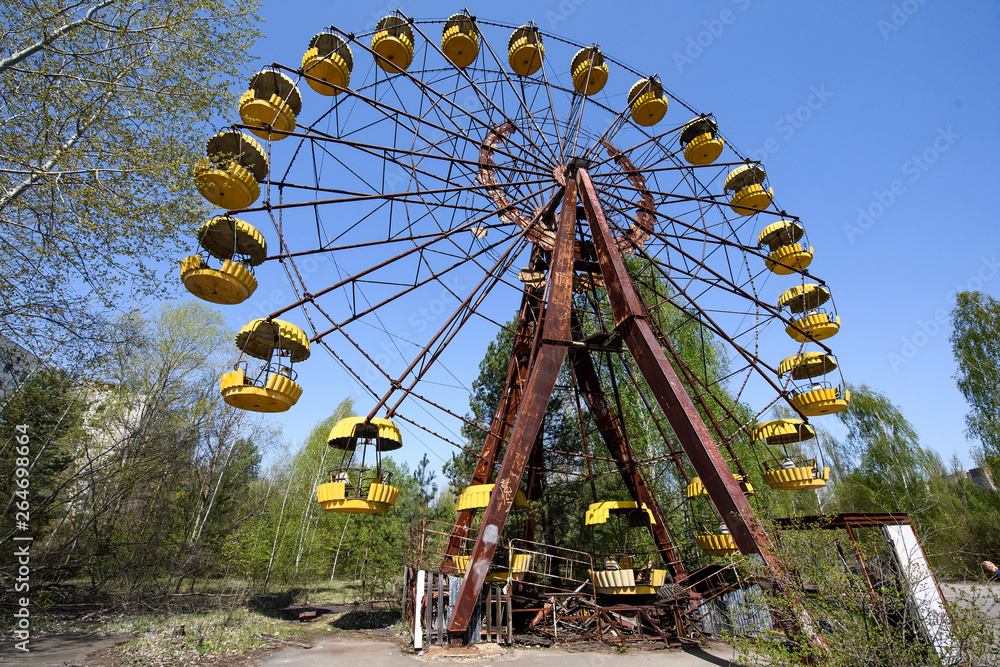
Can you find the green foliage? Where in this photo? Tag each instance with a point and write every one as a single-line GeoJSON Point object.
{"type": "Point", "coordinates": [106, 107]}
{"type": "Point", "coordinates": [860, 624]}
{"type": "Point", "coordinates": [976, 345]}
{"type": "Point", "coordinates": [891, 470]}
{"type": "Point", "coordinates": [49, 411]}
{"type": "Point", "coordinates": [143, 473]}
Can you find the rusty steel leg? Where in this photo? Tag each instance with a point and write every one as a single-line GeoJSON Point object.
{"type": "Point", "coordinates": [697, 442]}
{"type": "Point", "coordinates": [510, 401]}
{"type": "Point", "coordinates": [673, 399]}
{"type": "Point", "coordinates": [534, 486]}
{"type": "Point", "coordinates": [589, 386]}
{"type": "Point", "coordinates": [542, 377]}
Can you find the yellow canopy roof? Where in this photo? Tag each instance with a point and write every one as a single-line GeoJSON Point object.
{"type": "Point", "coordinates": [698, 127]}
{"type": "Point", "coordinates": [643, 86]}
{"type": "Point", "coordinates": [591, 53]}
{"type": "Point", "coordinates": [231, 145]}
{"type": "Point", "coordinates": [346, 432]}
{"type": "Point", "coordinates": [804, 297]}
{"type": "Point", "coordinates": [783, 232]}
{"type": "Point", "coordinates": [269, 82]}
{"type": "Point", "coordinates": [478, 495]}
{"type": "Point", "coordinates": [223, 236]}
{"type": "Point", "coordinates": [463, 22]}
{"type": "Point", "coordinates": [396, 26]}
{"type": "Point", "coordinates": [807, 365]}
{"type": "Point", "coordinates": [525, 31]}
{"type": "Point", "coordinates": [261, 337]}
{"type": "Point", "coordinates": [783, 431]}
{"type": "Point", "coordinates": [741, 177]}
{"type": "Point", "coordinates": [327, 43]}
{"type": "Point", "coordinates": [599, 512]}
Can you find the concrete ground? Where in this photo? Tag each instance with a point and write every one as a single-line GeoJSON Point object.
{"type": "Point", "coordinates": [987, 596]}
{"type": "Point", "coordinates": [59, 650]}
{"type": "Point", "coordinates": [365, 653]}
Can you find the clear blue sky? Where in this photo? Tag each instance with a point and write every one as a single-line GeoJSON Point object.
{"type": "Point", "coordinates": [875, 121]}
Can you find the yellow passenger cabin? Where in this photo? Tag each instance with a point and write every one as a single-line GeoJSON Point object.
{"type": "Point", "coordinates": [239, 246]}
{"type": "Point", "coordinates": [271, 387]}
{"type": "Point", "coordinates": [231, 174]}
{"type": "Point", "coordinates": [328, 63]}
{"type": "Point", "coordinates": [359, 484]}
{"type": "Point", "coordinates": [460, 40]}
{"type": "Point", "coordinates": [392, 44]}
{"type": "Point", "coordinates": [525, 51]}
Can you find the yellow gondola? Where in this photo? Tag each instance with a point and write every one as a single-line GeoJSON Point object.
{"type": "Point", "coordinates": [525, 51]}
{"type": "Point", "coordinates": [802, 298]}
{"type": "Point", "coordinates": [821, 398]}
{"type": "Point", "coordinates": [701, 141]}
{"type": "Point", "coordinates": [272, 101]}
{"type": "Point", "coordinates": [273, 389]}
{"type": "Point", "coordinates": [356, 486]}
{"type": "Point", "coordinates": [624, 573]}
{"type": "Point", "coordinates": [783, 431]}
{"type": "Point", "coordinates": [787, 255]}
{"type": "Point", "coordinates": [747, 185]}
{"type": "Point", "coordinates": [460, 40]}
{"type": "Point", "coordinates": [393, 44]}
{"type": "Point", "coordinates": [791, 475]}
{"type": "Point", "coordinates": [814, 325]}
{"type": "Point", "coordinates": [230, 176]}
{"type": "Point", "coordinates": [328, 63]}
{"type": "Point", "coordinates": [716, 544]}
{"type": "Point", "coordinates": [590, 72]}
{"type": "Point", "coordinates": [240, 246]}
{"type": "Point", "coordinates": [647, 103]}
{"type": "Point", "coordinates": [477, 496]}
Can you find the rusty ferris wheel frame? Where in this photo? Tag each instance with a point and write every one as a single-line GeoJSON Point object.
{"type": "Point", "coordinates": [442, 171]}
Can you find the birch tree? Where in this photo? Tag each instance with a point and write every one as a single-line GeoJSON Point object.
{"type": "Point", "coordinates": [976, 346]}
{"type": "Point", "coordinates": [105, 106]}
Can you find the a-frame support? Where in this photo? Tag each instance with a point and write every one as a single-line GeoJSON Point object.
{"type": "Point", "coordinates": [670, 394]}
{"type": "Point", "coordinates": [667, 388]}
{"type": "Point", "coordinates": [556, 337]}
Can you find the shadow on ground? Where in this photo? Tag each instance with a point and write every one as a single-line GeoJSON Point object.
{"type": "Point", "coordinates": [367, 619]}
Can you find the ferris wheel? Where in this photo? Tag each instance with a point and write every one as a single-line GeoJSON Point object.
{"type": "Point", "coordinates": [448, 175]}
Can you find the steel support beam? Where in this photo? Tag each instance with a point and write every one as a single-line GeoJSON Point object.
{"type": "Point", "coordinates": [677, 406]}
{"type": "Point", "coordinates": [556, 337]}
{"type": "Point", "coordinates": [536, 463]}
{"type": "Point", "coordinates": [510, 401]}
{"type": "Point", "coordinates": [667, 388]}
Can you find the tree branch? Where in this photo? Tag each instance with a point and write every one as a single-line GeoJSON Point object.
{"type": "Point", "coordinates": [21, 55]}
